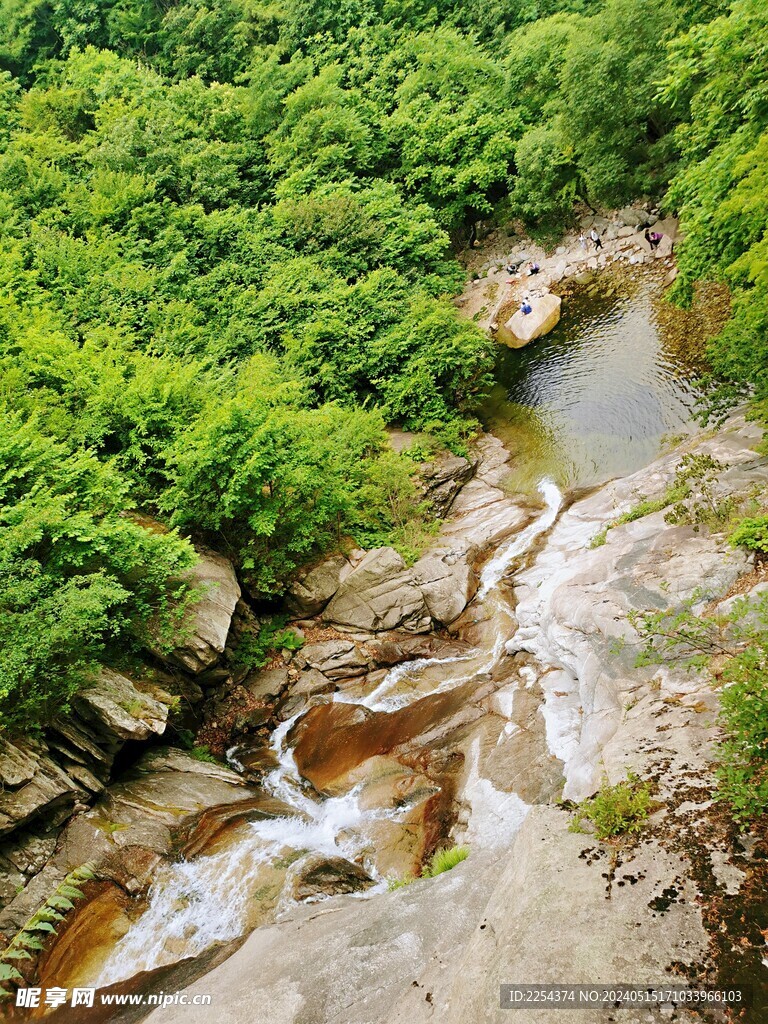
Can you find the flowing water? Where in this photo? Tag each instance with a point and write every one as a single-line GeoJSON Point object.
{"type": "Point", "coordinates": [208, 899]}
{"type": "Point", "coordinates": [590, 401]}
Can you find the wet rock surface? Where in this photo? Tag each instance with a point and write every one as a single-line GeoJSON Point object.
{"type": "Point", "coordinates": [574, 603]}
{"type": "Point", "coordinates": [544, 904]}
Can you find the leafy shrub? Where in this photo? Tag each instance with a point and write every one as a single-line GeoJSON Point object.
{"type": "Point", "coordinates": [691, 496]}
{"type": "Point", "coordinates": [616, 810]}
{"type": "Point", "coordinates": [739, 641]}
{"type": "Point", "coordinates": [751, 533]}
{"type": "Point", "coordinates": [680, 635]}
{"type": "Point", "coordinates": [254, 650]}
{"type": "Point", "coordinates": [79, 578]}
{"type": "Point", "coordinates": [698, 504]}
{"type": "Point", "coordinates": [203, 753]}
{"type": "Point", "coordinates": [742, 770]}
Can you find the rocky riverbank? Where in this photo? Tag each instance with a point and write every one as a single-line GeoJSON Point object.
{"type": "Point", "coordinates": [360, 613]}
{"type": "Point", "coordinates": [492, 294]}
{"type": "Point", "coordinates": [547, 904]}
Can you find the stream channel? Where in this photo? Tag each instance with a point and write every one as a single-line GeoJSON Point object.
{"type": "Point", "coordinates": [591, 401]}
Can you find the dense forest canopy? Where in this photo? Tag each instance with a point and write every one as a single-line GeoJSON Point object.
{"type": "Point", "coordinates": [227, 237]}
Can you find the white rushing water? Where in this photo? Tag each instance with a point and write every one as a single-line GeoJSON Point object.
{"type": "Point", "coordinates": [193, 904]}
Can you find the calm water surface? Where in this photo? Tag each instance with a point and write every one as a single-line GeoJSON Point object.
{"type": "Point", "coordinates": [599, 396]}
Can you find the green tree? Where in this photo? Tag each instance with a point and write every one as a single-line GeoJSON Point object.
{"type": "Point", "coordinates": [78, 575]}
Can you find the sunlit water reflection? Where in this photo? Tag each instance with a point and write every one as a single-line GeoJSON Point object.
{"type": "Point", "coordinates": [597, 397]}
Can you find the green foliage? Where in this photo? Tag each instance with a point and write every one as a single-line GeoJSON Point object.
{"type": "Point", "coordinates": [751, 533]}
{"type": "Point", "coordinates": [680, 635]}
{"type": "Point", "coordinates": [254, 650]}
{"type": "Point", "coordinates": [389, 512]}
{"type": "Point", "coordinates": [615, 811]}
{"type": "Point", "coordinates": [30, 939]}
{"type": "Point", "coordinates": [78, 576]}
{"type": "Point", "coordinates": [203, 753]}
{"type": "Point", "coordinates": [739, 643]}
{"type": "Point", "coordinates": [676, 492]}
{"type": "Point", "coordinates": [697, 503]}
{"type": "Point", "coordinates": [716, 84]}
{"type": "Point", "coordinates": [444, 860]}
{"type": "Point", "coordinates": [691, 499]}
{"type": "Point", "coordinates": [742, 768]}
{"type": "Point", "coordinates": [393, 884]}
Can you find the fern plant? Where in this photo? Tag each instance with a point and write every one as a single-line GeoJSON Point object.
{"type": "Point", "coordinates": [45, 921]}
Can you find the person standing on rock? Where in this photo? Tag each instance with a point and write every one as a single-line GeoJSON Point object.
{"type": "Point", "coordinates": [596, 239]}
{"type": "Point", "coordinates": [525, 307]}
{"type": "Point", "coordinates": [653, 238]}
{"type": "Point", "coordinates": [583, 241]}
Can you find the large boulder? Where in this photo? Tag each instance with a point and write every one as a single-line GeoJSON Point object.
{"type": "Point", "coordinates": [311, 683]}
{"type": "Point", "coordinates": [524, 327]}
{"type": "Point", "coordinates": [379, 594]}
{"type": "Point", "coordinates": [448, 583]}
{"type": "Point", "coordinates": [312, 589]}
{"type": "Point", "coordinates": [31, 783]}
{"type": "Point", "coordinates": [207, 622]}
{"type": "Point", "coordinates": [335, 659]}
{"type": "Point", "coordinates": [443, 478]}
{"type": "Point", "coordinates": [633, 218]}
{"type": "Point", "coordinates": [116, 708]}
{"type": "Point", "coordinates": [266, 684]}
{"type": "Point", "coordinates": [317, 875]}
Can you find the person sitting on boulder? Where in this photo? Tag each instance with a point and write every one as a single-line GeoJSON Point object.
{"type": "Point", "coordinates": [533, 269]}
{"type": "Point", "coordinates": [525, 307]}
{"type": "Point", "coordinates": [513, 268]}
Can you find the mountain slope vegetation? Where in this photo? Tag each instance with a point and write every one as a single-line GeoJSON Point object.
{"type": "Point", "coordinates": [227, 237]}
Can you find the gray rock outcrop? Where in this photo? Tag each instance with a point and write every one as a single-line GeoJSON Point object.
{"type": "Point", "coordinates": [442, 480]}
{"type": "Point", "coordinates": [574, 603]}
{"type": "Point", "coordinates": [448, 583]}
{"type": "Point", "coordinates": [524, 327]}
{"type": "Point", "coordinates": [379, 594]}
{"type": "Point", "coordinates": [33, 784]}
{"type": "Point", "coordinates": [50, 777]}
{"type": "Point", "coordinates": [118, 709]}
{"type": "Point", "coordinates": [206, 624]}
{"type": "Point", "coordinates": [313, 588]}
{"type": "Point", "coordinates": [335, 659]}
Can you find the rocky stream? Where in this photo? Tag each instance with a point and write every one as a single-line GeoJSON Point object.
{"type": "Point", "coordinates": [457, 700]}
